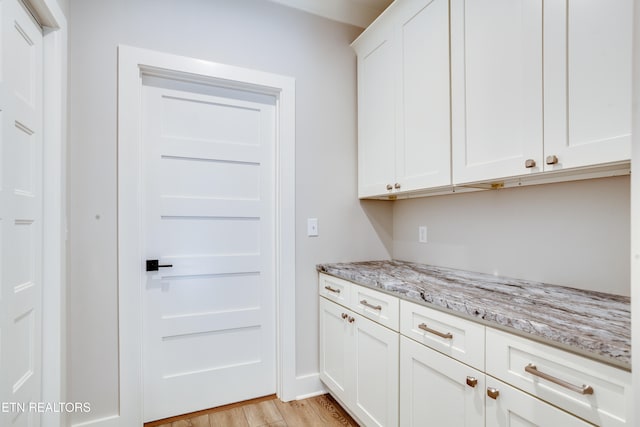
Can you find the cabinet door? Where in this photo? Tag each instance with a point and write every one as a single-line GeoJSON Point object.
{"type": "Point", "coordinates": [375, 357]}
{"type": "Point", "coordinates": [496, 83]}
{"type": "Point", "coordinates": [423, 150]}
{"type": "Point", "coordinates": [376, 112]}
{"type": "Point", "coordinates": [438, 390]}
{"type": "Point", "coordinates": [587, 78]}
{"type": "Point", "coordinates": [513, 407]}
{"type": "Point", "coordinates": [334, 354]}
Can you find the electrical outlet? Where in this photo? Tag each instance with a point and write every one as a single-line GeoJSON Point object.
{"type": "Point", "coordinates": [422, 234]}
{"type": "Point", "coordinates": [312, 227]}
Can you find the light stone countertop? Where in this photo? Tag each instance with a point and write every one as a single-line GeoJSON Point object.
{"type": "Point", "coordinates": [594, 324]}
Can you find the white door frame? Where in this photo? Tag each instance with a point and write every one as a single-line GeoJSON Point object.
{"type": "Point", "coordinates": [133, 63]}
{"type": "Point", "coordinates": [54, 22]}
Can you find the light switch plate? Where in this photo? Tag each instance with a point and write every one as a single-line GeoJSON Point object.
{"type": "Point", "coordinates": [422, 234]}
{"type": "Point", "coordinates": [312, 227]}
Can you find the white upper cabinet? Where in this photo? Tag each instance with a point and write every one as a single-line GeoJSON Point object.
{"type": "Point", "coordinates": [376, 112]}
{"type": "Point", "coordinates": [403, 62]}
{"type": "Point", "coordinates": [539, 89]}
{"type": "Point", "coordinates": [454, 92]}
{"type": "Point", "coordinates": [496, 88]}
{"type": "Point", "coordinates": [423, 151]}
{"type": "Point", "coordinates": [587, 82]}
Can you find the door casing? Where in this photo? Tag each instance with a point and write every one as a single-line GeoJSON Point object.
{"type": "Point", "coordinates": [133, 63]}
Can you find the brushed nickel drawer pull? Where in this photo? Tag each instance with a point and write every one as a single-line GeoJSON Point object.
{"type": "Point", "coordinates": [585, 389]}
{"type": "Point", "coordinates": [472, 381]}
{"type": "Point", "coordinates": [424, 327]}
{"type": "Point", "coordinates": [366, 304]}
{"type": "Point", "coordinates": [330, 289]}
{"type": "Point", "coordinates": [493, 392]}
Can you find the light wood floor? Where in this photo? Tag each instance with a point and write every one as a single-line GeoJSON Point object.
{"type": "Point", "coordinates": [317, 411]}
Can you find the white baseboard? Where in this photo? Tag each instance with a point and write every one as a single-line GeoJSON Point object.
{"type": "Point", "coordinates": [308, 386]}
{"type": "Point", "coordinates": [111, 421]}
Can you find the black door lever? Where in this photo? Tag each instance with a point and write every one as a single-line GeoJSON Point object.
{"type": "Point", "coordinates": [152, 265]}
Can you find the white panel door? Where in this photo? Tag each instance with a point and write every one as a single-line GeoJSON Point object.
{"type": "Point", "coordinates": [209, 319]}
{"type": "Point", "coordinates": [376, 114]}
{"type": "Point", "coordinates": [20, 213]}
{"type": "Point", "coordinates": [587, 81]}
{"type": "Point", "coordinates": [496, 83]}
{"type": "Point", "coordinates": [423, 150]}
{"type": "Point", "coordinates": [375, 354]}
{"type": "Point", "coordinates": [438, 390]}
{"type": "Point", "coordinates": [336, 358]}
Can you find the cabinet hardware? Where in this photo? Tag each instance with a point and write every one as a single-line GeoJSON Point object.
{"type": "Point", "coordinates": [345, 315]}
{"type": "Point", "coordinates": [493, 392]}
{"type": "Point", "coordinates": [153, 265]}
{"type": "Point", "coordinates": [351, 319]}
{"type": "Point", "coordinates": [397, 185]}
{"type": "Point", "coordinates": [585, 389]}
{"type": "Point", "coordinates": [530, 163]}
{"type": "Point", "coordinates": [472, 382]}
{"type": "Point", "coordinates": [330, 289]}
{"type": "Point", "coordinates": [424, 327]}
{"type": "Point", "coordinates": [551, 160]}
{"type": "Point", "coordinates": [366, 304]}
{"type": "Point", "coordinates": [389, 187]}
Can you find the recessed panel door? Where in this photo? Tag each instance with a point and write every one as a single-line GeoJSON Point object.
{"type": "Point", "coordinates": [209, 309]}
{"type": "Point", "coordinates": [20, 214]}
{"type": "Point", "coordinates": [496, 89]}
{"type": "Point", "coordinates": [587, 82]}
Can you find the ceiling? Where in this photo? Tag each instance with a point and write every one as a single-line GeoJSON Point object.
{"type": "Point", "coordinates": [355, 12]}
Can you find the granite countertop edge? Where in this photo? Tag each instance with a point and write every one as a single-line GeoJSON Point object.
{"type": "Point", "coordinates": [483, 298]}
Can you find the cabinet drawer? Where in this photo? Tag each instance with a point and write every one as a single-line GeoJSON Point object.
{"type": "Point", "coordinates": [456, 337]}
{"type": "Point", "coordinates": [512, 407]}
{"type": "Point", "coordinates": [379, 307]}
{"type": "Point", "coordinates": [334, 289]}
{"type": "Point", "coordinates": [594, 391]}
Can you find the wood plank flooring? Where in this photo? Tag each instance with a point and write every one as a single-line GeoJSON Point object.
{"type": "Point", "coordinates": [319, 411]}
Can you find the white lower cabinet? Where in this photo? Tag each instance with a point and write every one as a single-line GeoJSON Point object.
{"type": "Point", "coordinates": [359, 364]}
{"type": "Point", "coordinates": [441, 370]}
{"type": "Point", "coordinates": [511, 407]}
{"type": "Point", "coordinates": [436, 390]}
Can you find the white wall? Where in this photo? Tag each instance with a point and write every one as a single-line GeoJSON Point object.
{"type": "Point", "coordinates": [572, 234]}
{"type": "Point", "coordinates": [247, 33]}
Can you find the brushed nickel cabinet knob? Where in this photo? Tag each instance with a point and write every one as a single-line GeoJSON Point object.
{"type": "Point", "coordinates": [397, 186]}
{"type": "Point", "coordinates": [551, 160]}
{"type": "Point", "coordinates": [493, 392]}
{"type": "Point", "coordinates": [530, 163]}
{"type": "Point", "coordinates": [389, 187]}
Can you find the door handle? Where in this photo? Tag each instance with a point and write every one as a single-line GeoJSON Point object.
{"type": "Point", "coordinates": [152, 265]}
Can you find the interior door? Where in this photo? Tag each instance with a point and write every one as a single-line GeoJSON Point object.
{"type": "Point", "coordinates": [209, 316]}
{"type": "Point", "coordinates": [20, 213]}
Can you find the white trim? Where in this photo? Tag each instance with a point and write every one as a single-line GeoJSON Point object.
{"type": "Point", "coordinates": [53, 268]}
{"type": "Point", "coordinates": [131, 63]}
{"type": "Point", "coordinates": [635, 219]}
{"type": "Point", "coordinates": [309, 386]}
{"type": "Point", "coordinates": [112, 421]}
